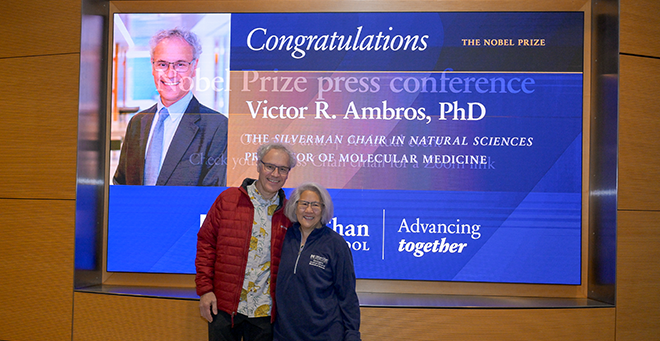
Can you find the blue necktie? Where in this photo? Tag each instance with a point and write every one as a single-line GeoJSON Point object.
{"type": "Point", "coordinates": [155, 151]}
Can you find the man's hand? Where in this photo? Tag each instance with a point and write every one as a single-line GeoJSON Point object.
{"type": "Point", "coordinates": [208, 304]}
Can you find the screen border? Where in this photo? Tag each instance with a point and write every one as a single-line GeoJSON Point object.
{"type": "Point", "coordinates": [599, 193]}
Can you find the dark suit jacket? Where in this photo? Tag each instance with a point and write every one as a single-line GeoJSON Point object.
{"type": "Point", "coordinates": [197, 155]}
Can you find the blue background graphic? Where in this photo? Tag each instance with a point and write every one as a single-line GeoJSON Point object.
{"type": "Point", "coordinates": [522, 237]}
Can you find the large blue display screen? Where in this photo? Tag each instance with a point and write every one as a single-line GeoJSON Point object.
{"type": "Point", "coordinates": [451, 143]}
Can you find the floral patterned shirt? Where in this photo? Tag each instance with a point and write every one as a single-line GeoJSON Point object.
{"type": "Point", "coordinates": [255, 297]}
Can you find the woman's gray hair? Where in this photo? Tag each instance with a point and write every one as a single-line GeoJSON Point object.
{"type": "Point", "coordinates": [292, 204]}
{"type": "Point", "coordinates": [265, 148]}
{"type": "Point", "coordinates": [188, 36]}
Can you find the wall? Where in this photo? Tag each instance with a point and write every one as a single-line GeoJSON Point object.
{"type": "Point", "coordinates": [40, 58]}
{"type": "Point", "coordinates": [638, 273]}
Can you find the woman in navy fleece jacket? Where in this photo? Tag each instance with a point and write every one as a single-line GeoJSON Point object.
{"type": "Point", "coordinates": [315, 294]}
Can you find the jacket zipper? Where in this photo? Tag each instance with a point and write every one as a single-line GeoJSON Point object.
{"type": "Point", "coordinates": [297, 259]}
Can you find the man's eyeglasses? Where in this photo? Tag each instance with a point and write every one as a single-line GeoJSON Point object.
{"type": "Point", "coordinates": [179, 66]}
{"type": "Point", "coordinates": [316, 206]}
{"type": "Point", "coordinates": [271, 168]}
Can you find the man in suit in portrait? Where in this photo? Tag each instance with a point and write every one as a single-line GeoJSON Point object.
{"type": "Point", "coordinates": [177, 141]}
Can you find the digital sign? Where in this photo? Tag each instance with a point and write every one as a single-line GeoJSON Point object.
{"type": "Point", "coordinates": [451, 143]}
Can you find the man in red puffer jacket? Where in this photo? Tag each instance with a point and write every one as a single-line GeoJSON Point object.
{"type": "Point", "coordinates": [238, 251]}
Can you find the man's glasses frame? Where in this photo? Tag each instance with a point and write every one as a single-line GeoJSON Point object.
{"type": "Point", "coordinates": [271, 168]}
{"type": "Point", "coordinates": [179, 65]}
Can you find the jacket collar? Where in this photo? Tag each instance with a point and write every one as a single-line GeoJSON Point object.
{"type": "Point", "coordinates": [248, 181]}
{"type": "Point", "coordinates": [312, 236]}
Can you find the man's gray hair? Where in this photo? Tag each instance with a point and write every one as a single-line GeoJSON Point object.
{"type": "Point", "coordinates": [188, 36]}
{"type": "Point", "coordinates": [265, 148]}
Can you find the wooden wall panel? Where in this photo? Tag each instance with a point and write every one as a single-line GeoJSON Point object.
{"type": "Point", "coordinates": [638, 226]}
{"type": "Point", "coordinates": [638, 276]}
{"type": "Point", "coordinates": [39, 28]}
{"type": "Point", "coordinates": [640, 27]}
{"type": "Point", "coordinates": [487, 324]}
{"type": "Point", "coordinates": [134, 318]}
{"type": "Point", "coordinates": [639, 137]}
{"type": "Point", "coordinates": [36, 269]}
{"type": "Point", "coordinates": [39, 56]}
{"type": "Point", "coordinates": [111, 317]}
{"type": "Point", "coordinates": [38, 126]}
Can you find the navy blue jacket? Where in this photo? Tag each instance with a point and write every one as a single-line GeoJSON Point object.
{"type": "Point", "coordinates": [316, 298]}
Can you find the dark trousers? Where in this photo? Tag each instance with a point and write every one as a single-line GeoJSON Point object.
{"type": "Point", "coordinates": [244, 328]}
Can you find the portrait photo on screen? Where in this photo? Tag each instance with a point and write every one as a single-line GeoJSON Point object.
{"type": "Point", "coordinates": [451, 143]}
{"type": "Point", "coordinates": [169, 99]}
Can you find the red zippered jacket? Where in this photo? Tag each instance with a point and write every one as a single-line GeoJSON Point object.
{"type": "Point", "coordinates": [223, 244]}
